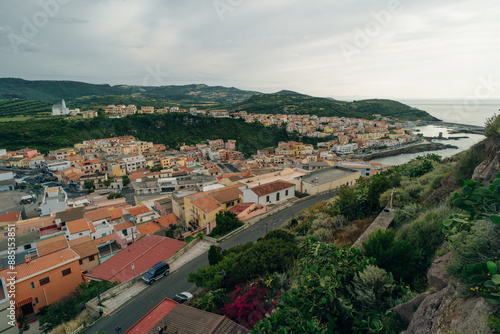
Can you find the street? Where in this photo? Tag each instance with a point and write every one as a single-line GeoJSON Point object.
{"type": "Point", "coordinates": [176, 282]}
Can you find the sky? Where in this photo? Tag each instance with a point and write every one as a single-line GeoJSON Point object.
{"type": "Point", "coordinates": [399, 49]}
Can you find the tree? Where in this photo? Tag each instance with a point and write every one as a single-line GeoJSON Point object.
{"type": "Point", "coordinates": [226, 222]}
{"type": "Point", "coordinates": [108, 182]}
{"type": "Point", "coordinates": [214, 255]}
{"type": "Point", "coordinates": [89, 185]}
{"type": "Point", "coordinates": [115, 195]}
{"type": "Point", "coordinates": [126, 180]}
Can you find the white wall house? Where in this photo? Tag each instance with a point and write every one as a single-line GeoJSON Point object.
{"type": "Point", "coordinates": [269, 193]}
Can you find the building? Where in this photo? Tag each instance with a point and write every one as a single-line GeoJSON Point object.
{"type": "Point", "coordinates": [54, 200]}
{"type": "Point", "coordinates": [329, 179]}
{"type": "Point", "coordinates": [7, 182]}
{"type": "Point", "coordinates": [143, 254]}
{"type": "Point", "coordinates": [44, 280]}
{"type": "Point", "coordinates": [60, 109]}
{"type": "Point", "coordinates": [170, 317]}
{"type": "Point", "coordinates": [8, 322]}
{"type": "Point", "coordinates": [269, 193]}
{"type": "Point", "coordinates": [86, 248]}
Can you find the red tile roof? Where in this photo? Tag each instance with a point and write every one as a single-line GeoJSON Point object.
{"type": "Point", "coordinates": [79, 225]}
{"type": "Point", "coordinates": [137, 210]}
{"type": "Point", "coordinates": [84, 246]}
{"type": "Point", "coordinates": [98, 214]}
{"type": "Point", "coordinates": [271, 187]}
{"type": "Point", "coordinates": [12, 216]}
{"type": "Point", "coordinates": [102, 240]}
{"type": "Point", "coordinates": [148, 228]}
{"type": "Point", "coordinates": [144, 253]}
{"type": "Point", "coordinates": [50, 245]}
{"type": "Point", "coordinates": [167, 220]}
{"type": "Point", "coordinates": [151, 318]}
{"type": "Point", "coordinates": [206, 203]}
{"type": "Point", "coordinates": [122, 226]}
{"type": "Point", "coordinates": [41, 263]}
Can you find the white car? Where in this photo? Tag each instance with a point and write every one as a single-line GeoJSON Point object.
{"type": "Point", "coordinates": [182, 297]}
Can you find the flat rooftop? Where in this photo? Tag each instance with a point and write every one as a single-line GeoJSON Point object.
{"type": "Point", "coordinates": [327, 175]}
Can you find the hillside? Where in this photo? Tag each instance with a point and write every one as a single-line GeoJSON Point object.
{"type": "Point", "coordinates": [169, 129]}
{"type": "Point", "coordinates": [286, 102]}
{"type": "Point", "coordinates": [85, 95]}
{"type": "Point", "coordinates": [81, 93]}
{"type": "Point", "coordinates": [23, 107]}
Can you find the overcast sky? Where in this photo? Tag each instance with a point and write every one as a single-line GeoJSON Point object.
{"type": "Point", "coordinates": [338, 48]}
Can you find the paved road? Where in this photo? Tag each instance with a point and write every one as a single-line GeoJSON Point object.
{"type": "Point", "coordinates": [176, 282]}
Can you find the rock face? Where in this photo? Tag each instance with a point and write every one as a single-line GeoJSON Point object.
{"type": "Point", "coordinates": [489, 168]}
{"type": "Point", "coordinates": [407, 310]}
{"type": "Point", "coordinates": [437, 276]}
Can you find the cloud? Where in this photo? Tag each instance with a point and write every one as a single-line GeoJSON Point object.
{"type": "Point", "coordinates": [425, 49]}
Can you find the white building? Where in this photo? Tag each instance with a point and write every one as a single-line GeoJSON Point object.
{"type": "Point", "coordinates": [60, 109]}
{"type": "Point", "coordinates": [346, 148]}
{"type": "Point", "coordinates": [134, 163]}
{"type": "Point", "coordinates": [269, 193]}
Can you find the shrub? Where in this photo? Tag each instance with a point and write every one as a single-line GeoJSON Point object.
{"type": "Point", "coordinates": [399, 257]}
{"type": "Point", "coordinates": [210, 300]}
{"type": "Point", "coordinates": [214, 255]}
{"type": "Point", "coordinates": [492, 126]}
{"type": "Point", "coordinates": [226, 221]}
{"type": "Point", "coordinates": [426, 232]}
{"type": "Point", "coordinates": [372, 289]}
{"type": "Point", "coordinates": [480, 244]}
{"type": "Point", "coordinates": [406, 214]}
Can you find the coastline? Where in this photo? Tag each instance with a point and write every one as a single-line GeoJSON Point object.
{"type": "Point", "coordinates": [406, 150]}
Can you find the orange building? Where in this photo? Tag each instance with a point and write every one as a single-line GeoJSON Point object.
{"type": "Point", "coordinates": [43, 280]}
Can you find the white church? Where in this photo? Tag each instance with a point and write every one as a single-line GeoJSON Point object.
{"type": "Point", "coordinates": [60, 109]}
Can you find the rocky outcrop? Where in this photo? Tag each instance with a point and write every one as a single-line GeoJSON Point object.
{"type": "Point", "coordinates": [437, 276]}
{"type": "Point", "coordinates": [445, 312]}
{"type": "Point", "coordinates": [490, 167]}
{"type": "Point", "coordinates": [407, 310]}
{"type": "Point", "coordinates": [409, 149]}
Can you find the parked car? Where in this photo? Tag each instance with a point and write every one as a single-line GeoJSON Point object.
{"type": "Point", "coordinates": [156, 272]}
{"type": "Point", "coordinates": [182, 297]}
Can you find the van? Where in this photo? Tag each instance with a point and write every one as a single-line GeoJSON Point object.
{"type": "Point", "coordinates": [156, 272]}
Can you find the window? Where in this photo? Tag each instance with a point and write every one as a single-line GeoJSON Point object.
{"type": "Point", "coordinates": [267, 198]}
{"type": "Point", "coordinates": [286, 192]}
{"type": "Point", "coordinates": [91, 258]}
{"type": "Point", "coordinates": [36, 300]}
{"type": "Point", "coordinates": [28, 246]}
{"type": "Point", "coordinates": [44, 281]}
{"type": "Point", "coordinates": [32, 285]}
{"type": "Point", "coordinates": [66, 272]}
{"type": "Point", "coordinates": [80, 233]}
{"type": "Point", "coordinates": [80, 261]}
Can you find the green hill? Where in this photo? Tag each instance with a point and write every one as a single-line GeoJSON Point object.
{"type": "Point", "coordinates": [81, 93]}
{"type": "Point", "coordinates": [169, 129]}
{"type": "Point", "coordinates": [9, 108]}
{"type": "Point", "coordinates": [286, 102]}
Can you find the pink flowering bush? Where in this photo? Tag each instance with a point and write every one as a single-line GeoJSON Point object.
{"type": "Point", "coordinates": [251, 303]}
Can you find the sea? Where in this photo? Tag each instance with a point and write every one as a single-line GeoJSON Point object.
{"type": "Point", "coordinates": [466, 112]}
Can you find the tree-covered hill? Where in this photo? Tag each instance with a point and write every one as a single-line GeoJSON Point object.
{"type": "Point", "coordinates": [52, 91]}
{"type": "Point", "coordinates": [169, 129]}
{"type": "Point", "coordinates": [286, 102]}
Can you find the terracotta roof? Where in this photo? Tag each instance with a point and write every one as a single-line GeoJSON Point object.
{"type": "Point", "coordinates": [50, 245]}
{"type": "Point", "coordinates": [52, 260]}
{"type": "Point", "coordinates": [227, 194]}
{"type": "Point", "coordinates": [12, 216]}
{"type": "Point", "coordinates": [84, 246]}
{"type": "Point", "coordinates": [98, 214]}
{"type": "Point", "coordinates": [144, 253]}
{"type": "Point", "coordinates": [122, 226]}
{"type": "Point", "coordinates": [180, 318]}
{"type": "Point", "coordinates": [26, 225]}
{"type": "Point", "coordinates": [79, 225]}
{"type": "Point", "coordinates": [116, 213]}
{"type": "Point", "coordinates": [271, 187]}
{"type": "Point", "coordinates": [148, 228]}
{"type": "Point", "coordinates": [167, 220]}
{"type": "Point", "coordinates": [206, 203]}
{"type": "Point", "coordinates": [102, 240]}
{"type": "Point", "coordinates": [137, 210]}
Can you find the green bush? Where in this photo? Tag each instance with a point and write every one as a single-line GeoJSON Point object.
{"type": "Point", "coordinates": [399, 257]}
{"type": "Point", "coordinates": [210, 300]}
{"type": "Point", "coordinates": [406, 214]}
{"type": "Point", "coordinates": [372, 289]}
{"type": "Point", "coordinates": [214, 255]}
{"type": "Point", "coordinates": [226, 221]}
{"type": "Point", "coordinates": [426, 232]}
{"type": "Point", "coordinates": [492, 126]}
{"type": "Point", "coordinates": [480, 244]}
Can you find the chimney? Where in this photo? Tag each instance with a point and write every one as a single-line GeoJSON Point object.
{"type": "Point", "coordinates": [27, 258]}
